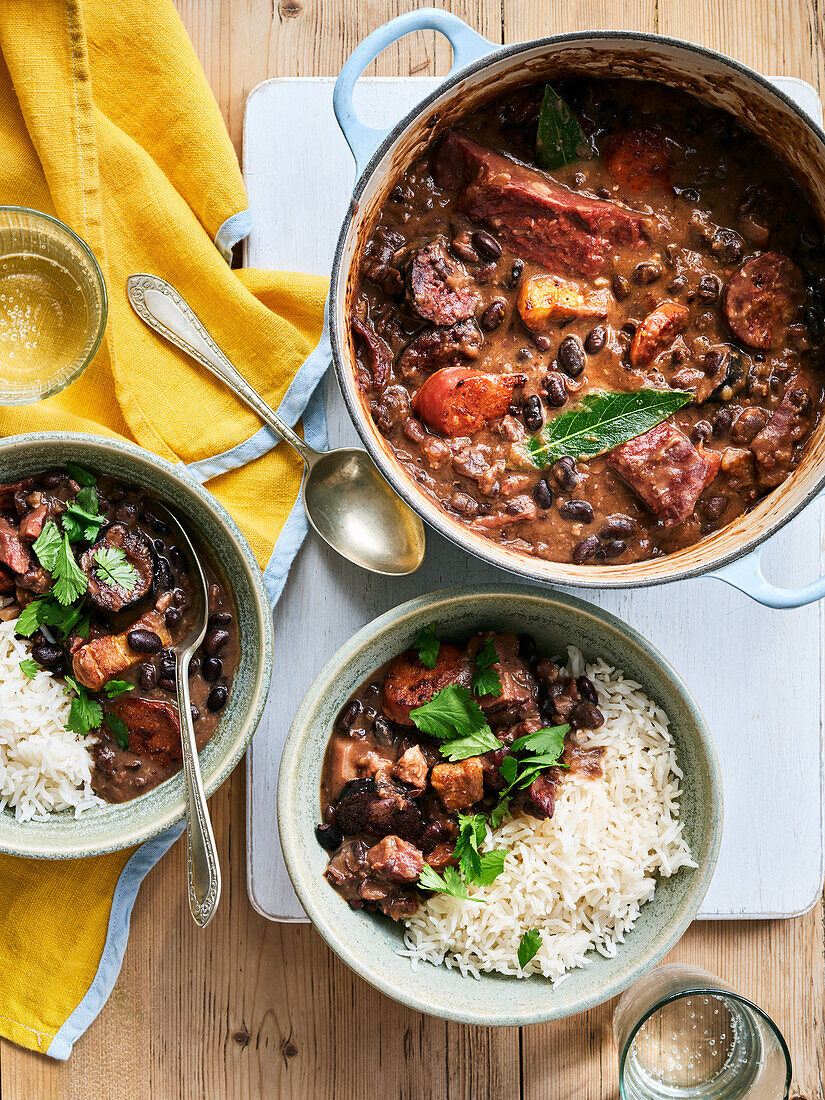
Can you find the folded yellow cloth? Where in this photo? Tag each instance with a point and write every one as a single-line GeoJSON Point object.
{"type": "Point", "coordinates": [107, 122]}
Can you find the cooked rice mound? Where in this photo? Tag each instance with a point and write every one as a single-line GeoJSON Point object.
{"type": "Point", "coordinates": [43, 767]}
{"type": "Point", "coordinates": [581, 877]}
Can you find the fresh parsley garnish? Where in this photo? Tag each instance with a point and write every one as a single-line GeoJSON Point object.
{"type": "Point", "coordinates": [114, 569]}
{"type": "Point", "coordinates": [427, 645]}
{"type": "Point", "coordinates": [70, 581]}
{"type": "Point", "coordinates": [113, 688]}
{"type": "Point", "coordinates": [486, 681]}
{"type": "Point", "coordinates": [81, 476]}
{"type": "Point", "coordinates": [85, 714]}
{"type": "Point", "coordinates": [455, 718]}
{"type": "Point", "coordinates": [29, 668]}
{"type": "Point", "coordinates": [118, 728]}
{"type": "Point", "coordinates": [483, 869]}
{"type": "Point", "coordinates": [47, 545]}
{"type": "Point", "coordinates": [448, 883]}
{"type": "Point", "coordinates": [529, 946]}
{"type": "Point", "coordinates": [82, 519]}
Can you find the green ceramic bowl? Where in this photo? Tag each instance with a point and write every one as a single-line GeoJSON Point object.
{"type": "Point", "coordinates": [108, 828]}
{"type": "Point", "coordinates": [367, 942]}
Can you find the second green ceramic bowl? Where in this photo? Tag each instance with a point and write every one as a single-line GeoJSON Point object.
{"type": "Point", "coordinates": [368, 943]}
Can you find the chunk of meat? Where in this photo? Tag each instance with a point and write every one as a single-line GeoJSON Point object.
{"type": "Point", "coordinates": [536, 216]}
{"type": "Point", "coordinates": [348, 868]}
{"type": "Point", "coordinates": [638, 160]}
{"type": "Point", "coordinates": [11, 488]}
{"type": "Point", "coordinates": [441, 856]}
{"type": "Point", "coordinates": [410, 684]}
{"type": "Point", "coordinates": [378, 354]}
{"type": "Point", "coordinates": [12, 551]}
{"type": "Point", "coordinates": [539, 799]}
{"type": "Point", "coordinates": [153, 727]}
{"type": "Point", "coordinates": [762, 298]}
{"type": "Point", "coordinates": [139, 553]}
{"type": "Point", "coordinates": [380, 808]}
{"type": "Point", "coordinates": [440, 347]}
{"type": "Point", "coordinates": [738, 466]}
{"type": "Point", "coordinates": [35, 580]}
{"type": "Point", "coordinates": [514, 511]}
{"type": "Point", "coordinates": [439, 286]}
{"type": "Point", "coordinates": [547, 298]}
{"type": "Point", "coordinates": [412, 768]}
{"type": "Point", "coordinates": [790, 422]}
{"type": "Point", "coordinates": [458, 401]}
{"type": "Point", "coordinates": [102, 658]}
{"type": "Point", "coordinates": [32, 523]}
{"type": "Point", "coordinates": [395, 860]}
{"type": "Point", "coordinates": [517, 683]}
{"type": "Point", "coordinates": [7, 581]}
{"type": "Point", "coordinates": [657, 332]}
{"type": "Point", "coordinates": [459, 785]}
{"type": "Point", "coordinates": [666, 470]}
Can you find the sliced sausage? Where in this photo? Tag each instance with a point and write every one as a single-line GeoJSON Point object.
{"type": "Point", "coordinates": [153, 727]}
{"type": "Point", "coordinates": [657, 332]}
{"type": "Point", "coordinates": [140, 554]}
{"type": "Point", "coordinates": [666, 471]}
{"type": "Point", "coordinates": [762, 298]}
{"type": "Point", "coordinates": [439, 287]}
{"type": "Point", "coordinates": [458, 401]}
{"type": "Point", "coordinates": [379, 356]}
{"type": "Point", "coordinates": [410, 684]}
{"type": "Point", "coordinates": [774, 445]}
{"type": "Point", "coordinates": [638, 160]}
{"type": "Point", "coordinates": [440, 347]}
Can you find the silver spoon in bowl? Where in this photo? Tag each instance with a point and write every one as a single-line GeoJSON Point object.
{"type": "Point", "coordinates": [345, 498]}
{"type": "Point", "coordinates": [203, 871]}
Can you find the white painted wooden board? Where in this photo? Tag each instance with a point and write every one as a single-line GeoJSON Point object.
{"type": "Point", "coordinates": [756, 673]}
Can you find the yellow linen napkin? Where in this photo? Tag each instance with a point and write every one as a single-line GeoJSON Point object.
{"type": "Point", "coordinates": [107, 122]}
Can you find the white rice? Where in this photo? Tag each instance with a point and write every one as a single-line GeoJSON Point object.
{"type": "Point", "coordinates": [43, 767]}
{"type": "Point", "coordinates": [581, 877]}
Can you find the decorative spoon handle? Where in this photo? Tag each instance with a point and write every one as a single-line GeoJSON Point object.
{"type": "Point", "coordinates": [161, 307]}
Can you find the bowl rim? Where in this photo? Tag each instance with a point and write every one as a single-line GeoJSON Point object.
{"type": "Point", "coordinates": [305, 883]}
{"type": "Point", "coordinates": [131, 836]}
{"type": "Point", "coordinates": [523, 565]}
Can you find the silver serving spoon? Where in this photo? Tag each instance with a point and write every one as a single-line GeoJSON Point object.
{"type": "Point", "coordinates": [345, 498]}
{"type": "Point", "coordinates": [203, 871]}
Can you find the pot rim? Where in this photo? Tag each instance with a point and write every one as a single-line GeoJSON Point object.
{"type": "Point", "coordinates": [595, 577]}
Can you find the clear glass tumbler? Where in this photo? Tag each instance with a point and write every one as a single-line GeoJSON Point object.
{"type": "Point", "coordinates": [683, 1034]}
{"type": "Point", "coordinates": [52, 305]}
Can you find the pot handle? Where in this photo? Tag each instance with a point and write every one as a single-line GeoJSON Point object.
{"type": "Point", "coordinates": [467, 46]}
{"type": "Point", "coordinates": [746, 575]}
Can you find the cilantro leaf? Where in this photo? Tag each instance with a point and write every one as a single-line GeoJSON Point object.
{"type": "Point", "coordinates": [29, 618]}
{"type": "Point", "coordinates": [69, 579]}
{"type": "Point", "coordinates": [114, 569]}
{"type": "Point", "coordinates": [474, 744]}
{"type": "Point", "coordinates": [427, 645]}
{"type": "Point", "coordinates": [498, 812]}
{"type": "Point", "coordinates": [452, 712]}
{"type": "Point", "coordinates": [486, 681]}
{"type": "Point", "coordinates": [448, 883]}
{"type": "Point", "coordinates": [47, 545]}
{"type": "Point", "coordinates": [85, 714]}
{"type": "Point", "coordinates": [529, 946]}
{"type": "Point", "coordinates": [118, 728]}
{"type": "Point", "coordinates": [82, 520]}
{"type": "Point", "coordinates": [492, 864]}
{"type": "Point", "coordinates": [546, 740]}
{"type": "Point", "coordinates": [476, 867]}
{"type": "Point", "coordinates": [113, 688]}
{"type": "Point", "coordinates": [29, 668]}
{"type": "Point", "coordinates": [45, 612]}
{"type": "Point", "coordinates": [81, 476]}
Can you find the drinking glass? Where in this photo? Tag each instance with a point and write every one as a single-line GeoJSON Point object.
{"type": "Point", "coordinates": [683, 1034]}
{"type": "Point", "coordinates": [52, 305]}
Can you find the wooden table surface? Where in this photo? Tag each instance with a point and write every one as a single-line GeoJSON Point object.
{"type": "Point", "coordinates": [251, 1009]}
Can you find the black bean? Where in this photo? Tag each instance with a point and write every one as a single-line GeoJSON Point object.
{"type": "Point", "coordinates": [148, 677]}
{"type": "Point", "coordinates": [194, 665]}
{"type": "Point", "coordinates": [215, 640]}
{"type": "Point", "coordinates": [617, 527]}
{"type": "Point", "coordinates": [526, 646]}
{"type": "Point", "coordinates": [814, 323]}
{"type": "Point", "coordinates": [515, 273]}
{"type": "Point", "coordinates": [727, 245]}
{"type": "Point", "coordinates": [486, 245]}
{"type": "Point", "coordinates": [579, 511]}
{"type": "Point", "coordinates": [165, 576]}
{"type": "Point", "coordinates": [47, 655]}
{"type": "Point", "coordinates": [571, 357]}
{"type": "Point", "coordinates": [167, 684]}
{"type": "Point", "coordinates": [542, 494]}
{"type": "Point", "coordinates": [348, 714]}
{"type": "Point", "coordinates": [172, 617]}
{"type": "Point", "coordinates": [524, 353]}
{"type": "Point", "coordinates": [708, 288]}
{"type": "Point", "coordinates": [156, 523]}
{"type": "Point", "coordinates": [144, 641]}
{"type": "Point", "coordinates": [484, 273]}
{"type": "Point", "coordinates": [493, 315]}
{"type": "Point", "coordinates": [178, 559]}
{"type": "Point", "coordinates": [722, 421]}
{"type": "Point", "coordinates": [52, 479]}
{"type": "Point", "coordinates": [159, 545]}
{"type": "Point", "coordinates": [555, 389]}
{"type": "Point", "coordinates": [330, 815]}
{"type": "Point", "coordinates": [714, 507]}
{"type": "Point", "coordinates": [620, 287]}
{"type": "Point", "coordinates": [168, 666]}
{"type": "Point", "coordinates": [587, 689]}
{"type": "Point", "coordinates": [614, 548]}
{"type": "Point", "coordinates": [212, 669]}
{"type": "Point", "coordinates": [585, 550]}
{"type": "Point", "coordinates": [179, 598]}
{"type": "Point", "coordinates": [218, 618]}
{"type": "Point", "coordinates": [586, 716]}
{"type": "Point", "coordinates": [383, 732]}
{"type": "Point", "coordinates": [464, 504]}
{"type": "Point", "coordinates": [193, 710]}
{"type": "Point", "coordinates": [542, 342]}
{"type": "Point", "coordinates": [216, 700]}
{"type": "Point", "coordinates": [430, 835]}
{"type": "Point", "coordinates": [595, 340]}
{"type": "Point", "coordinates": [646, 273]}
{"type": "Point", "coordinates": [532, 413]}
{"type": "Point", "coordinates": [564, 471]}
{"type": "Point", "coordinates": [329, 837]}
{"type": "Point", "coordinates": [701, 432]}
